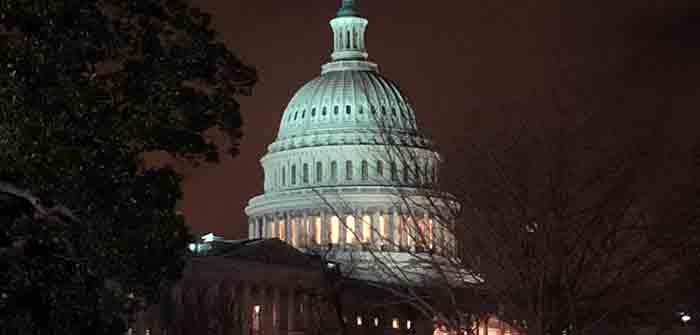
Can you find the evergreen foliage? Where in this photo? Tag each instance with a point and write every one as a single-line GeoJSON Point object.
{"type": "Point", "coordinates": [90, 232]}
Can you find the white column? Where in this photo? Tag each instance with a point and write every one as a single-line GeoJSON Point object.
{"type": "Point", "coordinates": [343, 231]}
{"type": "Point", "coordinates": [303, 228]}
{"type": "Point", "coordinates": [324, 228]}
{"type": "Point", "coordinates": [390, 231]}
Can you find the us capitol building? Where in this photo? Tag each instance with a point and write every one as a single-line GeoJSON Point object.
{"type": "Point", "coordinates": [334, 176]}
{"type": "Point", "coordinates": [343, 213]}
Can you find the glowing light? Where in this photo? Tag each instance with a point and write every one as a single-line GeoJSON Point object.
{"type": "Point", "coordinates": [359, 321]}
{"type": "Point", "coordinates": [685, 318]}
{"type": "Point", "coordinates": [395, 323]}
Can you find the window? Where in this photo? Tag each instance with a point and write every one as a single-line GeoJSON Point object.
{"type": "Point", "coordinates": [405, 173]}
{"type": "Point", "coordinates": [380, 168]}
{"type": "Point", "coordinates": [294, 174]}
{"type": "Point", "coordinates": [305, 173]}
{"type": "Point", "coordinates": [348, 170]}
{"type": "Point", "coordinates": [365, 170]}
{"type": "Point", "coordinates": [394, 173]}
{"type": "Point", "coordinates": [395, 323]}
{"type": "Point", "coordinates": [284, 176]}
{"type": "Point", "coordinates": [334, 170]}
{"type": "Point", "coordinates": [348, 110]}
{"type": "Point", "coordinates": [319, 172]}
{"type": "Point", "coordinates": [335, 110]}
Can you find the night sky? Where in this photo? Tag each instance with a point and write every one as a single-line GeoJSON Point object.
{"type": "Point", "coordinates": [470, 68]}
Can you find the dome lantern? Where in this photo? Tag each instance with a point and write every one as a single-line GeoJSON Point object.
{"type": "Point", "coordinates": [349, 33]}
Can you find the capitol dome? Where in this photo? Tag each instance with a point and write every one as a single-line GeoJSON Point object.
{"type": "Point", "coordinates": [330, 175]}
{"type": "Point", "coordinates": [347, 100]}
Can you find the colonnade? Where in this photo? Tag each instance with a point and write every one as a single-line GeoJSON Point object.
{"type": "Point", "coordinates": [388, 230]}
{"type": "Point", "coordinates": [274, 310]}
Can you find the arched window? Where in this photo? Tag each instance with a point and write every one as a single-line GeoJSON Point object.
{"type": "Point", "coordinates": [365, 170]}
{"type": "Point", "coordinates": [305, 173]}
{"type": "Point", "coordinates": [284, 176]}
{"type": "Point", "coordinates": [319, 172]}
{"type": "Point", "coordinates": [294, 174]}
{"type": "Point", "coordinates": [394, 172]}
{"type": "Point", "coordinates": [380, 168]}
{"type": "Point", "coordinates": [348, 170]}
{"type": "Point", "coordinates": [334, 170]}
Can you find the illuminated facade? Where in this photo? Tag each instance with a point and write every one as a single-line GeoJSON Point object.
{"type": "Point", "coordinates": [329, 178]}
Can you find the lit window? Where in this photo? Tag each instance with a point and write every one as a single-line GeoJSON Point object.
{"type": "Point", "coordinates": [408, 324]}
{"type": "Point", "coordinates": [376, 322]}
{"type": "Point", "coordinates": [359, 321]}
{"type": "Point", "coordinates": [395, 323]}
